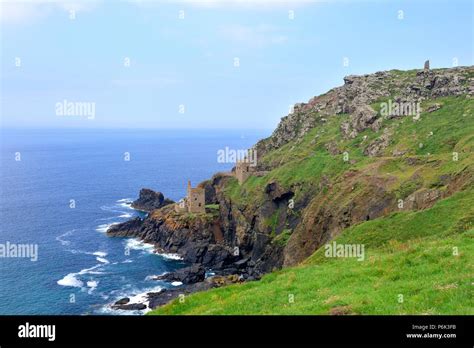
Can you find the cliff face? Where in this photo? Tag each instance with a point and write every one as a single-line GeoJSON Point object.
{"type": "Point", "coordinates": [338, 160]}
{"type": "Point", "coordinates": [359, 92]}
{"type": "Point", "coordinates": [195, 237]}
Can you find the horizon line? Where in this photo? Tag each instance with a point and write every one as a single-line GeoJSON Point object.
{"type": "Point", "coordinates": [130, 128]}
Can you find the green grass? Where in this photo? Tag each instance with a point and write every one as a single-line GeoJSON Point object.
{"type": "Point", "coordinates": [407, 253]}
{"type": "Point", "coordinates": [283, 237]}
{"type": "Point", "coordinates": [425, 256]}
{"type": "Point", "coordinates": [302, 164]}
{"type": "Point", "coordinates": [438, 131]}
{"type": "Point", "coordinates": [272, 222]}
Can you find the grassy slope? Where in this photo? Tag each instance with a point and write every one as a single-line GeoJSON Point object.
{"type": "Point", "coordinates": [407, 253]}
{"type": "Point", "coordinates": [304, 163]}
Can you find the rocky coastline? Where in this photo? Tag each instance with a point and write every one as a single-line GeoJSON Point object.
{"type": "Point", "coordinates": [239, 239]}
{"type": "Point", "coordinates": [198, 240]}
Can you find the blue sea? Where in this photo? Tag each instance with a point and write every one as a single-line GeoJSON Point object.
{"type": "Point", "coordinates": [61, 189]}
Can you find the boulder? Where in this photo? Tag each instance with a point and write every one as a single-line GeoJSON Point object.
{"type": "Point", "coordinates": [130, 306]}
{"type": "Point", "coordinates": [188, 275]}
{"type": "Point", "coordinates": [149, 200]}
{"type": "Point", "coordinates": [363, 117]}
{"type": "Point", "coordinates": [122, 301]}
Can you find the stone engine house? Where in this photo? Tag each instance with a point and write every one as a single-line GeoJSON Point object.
{"type": "Point", "coordinates": [195, 201]}
{"type": "Point", "coordinates": [242, 171]}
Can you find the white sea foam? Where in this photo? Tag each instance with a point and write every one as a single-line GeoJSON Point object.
{"type": "Point", "coordinates": [154, 276]}
{"type": "Point", "coordinates": [126, 215]}
{"type": "Point", "coordinates": [71, 280]}
{"type": "Point", "coordinates": [127, 261]}
{"type": "Point", "coordinates": [176, 283]}
{"type": "Point", "coordinates": [170, 256]}
{"type": "Point", "coordinates": [135, 244]}
{"type": "Point", "coordinates": [108, 310]}
{"type": "Point", "coordinates": [92, 284]}
{"type": "Point", "coordinates": [101, 259]}
{"type": "Point", "coordinates": [127, 205]}
{"type": "Point", "coordinates": [137, 296]}
{"type": "Point", "coordinates": [125, 200]}
{"type": "Point", "coordinates": [104, 227]}
{"type": "Point", "coordinates": [101, 254]}
{"type": "Point", "coordinates": [89, 270]}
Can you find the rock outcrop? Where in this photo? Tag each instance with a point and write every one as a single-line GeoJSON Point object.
{"type": "Point", "coordinates": [359, 92]}
{"type": "Point", "coordinates": [150, 200]}
{"type": "Point", "coordinates": [193, 238]}
{"type": "Point", "coordinates": [188, 275]}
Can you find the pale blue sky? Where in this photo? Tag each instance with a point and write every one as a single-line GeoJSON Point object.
{"type": "Point", "coordinates": [190, 61]}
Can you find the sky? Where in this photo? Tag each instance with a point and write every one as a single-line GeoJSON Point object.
{"type": "Point", "coordinates": [235, 64]}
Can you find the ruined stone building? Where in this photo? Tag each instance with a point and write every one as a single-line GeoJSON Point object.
{"type": "Point", "coordinates": [242, 171]}
{"type": "Point", "coordinates": [195, 201]}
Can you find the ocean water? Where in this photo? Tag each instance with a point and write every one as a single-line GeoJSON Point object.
{"type": "Point", "coordinates": [68, 187]}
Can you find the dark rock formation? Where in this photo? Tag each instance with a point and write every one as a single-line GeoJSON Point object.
{"type": "Point", "coordinates": [124, 304]}
{"type": "Point", "coordinates": [128, 228]}
{"type": "Point", "coordinates": [149, 200]}
{"type": "Point", "coordinates": [188, 275]}
{"type": "Point", "coordinates": [194, 238]}
{"type": "Point", "coordinates": [122, 301]}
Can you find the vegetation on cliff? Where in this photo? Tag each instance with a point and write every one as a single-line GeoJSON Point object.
{"type": "Point", "coordinates": [416, 263]}
{"type": "Point", "coordinates": [341, 169]}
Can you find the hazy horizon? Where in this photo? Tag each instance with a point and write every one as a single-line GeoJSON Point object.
{"type": "Point", "coordinates": [207, 64]}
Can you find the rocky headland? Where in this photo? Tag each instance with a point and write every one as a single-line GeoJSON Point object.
{"type": "Point", "coordinates": [149, 200]}
{"type": "Point", "coordinates": [286, 215]}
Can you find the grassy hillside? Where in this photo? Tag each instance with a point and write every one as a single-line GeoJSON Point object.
{"type": "Point", "coordinates": [416, 262]}
{"type": "Point", "coordinates": [432, 139]}
{"type": "Point", "coordinates": [425, 256]}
